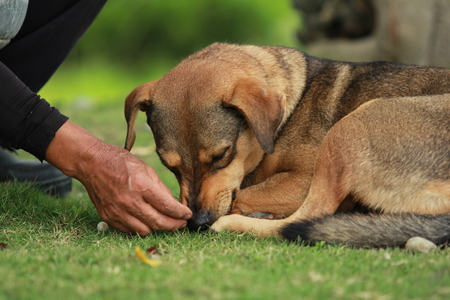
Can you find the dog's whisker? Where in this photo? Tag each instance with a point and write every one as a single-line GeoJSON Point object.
{"type": "Point", "coordinates": [225, 199]}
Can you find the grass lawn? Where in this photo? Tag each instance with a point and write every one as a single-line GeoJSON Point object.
{"type": "Point", "coordinates": [51, 249]}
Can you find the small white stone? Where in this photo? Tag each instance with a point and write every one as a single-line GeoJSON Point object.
{"type": "Point", "coordinates": [418, 244]}
{"type": "Point", "coordinates": [102, 226]}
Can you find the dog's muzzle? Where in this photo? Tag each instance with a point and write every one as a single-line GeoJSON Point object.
{"type": "Point", "coordinates": [201, 221]}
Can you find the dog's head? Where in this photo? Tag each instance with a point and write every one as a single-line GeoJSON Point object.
{"type": "Point", "coordinates": [212, 124]}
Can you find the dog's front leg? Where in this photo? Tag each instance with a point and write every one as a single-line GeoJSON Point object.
{"type": "Point", "coordinates": [286, 198]}
{"type": "Point", "coordinates": [279, 195]}
{"type": "Point", "coordinates": [265, 228]}
{"type": "Point", "coordinates": [260, 227]}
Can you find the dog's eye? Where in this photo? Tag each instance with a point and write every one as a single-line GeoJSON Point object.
{"type": "Point", "coordinates": [218, 158]}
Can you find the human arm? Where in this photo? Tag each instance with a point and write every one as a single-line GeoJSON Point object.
{"type": "Point", "coordinates": [26, 121]}
{"type": "Point", "coordinates": [126, 192]}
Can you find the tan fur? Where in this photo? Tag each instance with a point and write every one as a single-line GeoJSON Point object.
{"type": "Point", "coordinates": [244, 128]}
{"type": "Point", "coordinates": [347, 164]}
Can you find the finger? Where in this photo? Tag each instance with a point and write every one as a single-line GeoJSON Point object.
{"type": "Point", "coordinates": [157, 194]}
{"type": "Point", "coordinates": [139, 217]}
{"type": "Point", "coordinates": [146, 223]}
{"type": "Point", "coordinates": [124, 221]}
{"type": "Point", "coordinates": [136, 226]}
{"type": "Point", "coordinates": [161, 199]}
{"type": "Point", "coordinates": [159, 221]}
{"type": "Point", "coordinates": [167, 205]}
{"type": "Point", "coordinates": [131, 225]}
{"type": "Point", "coordinates": [117, 225]}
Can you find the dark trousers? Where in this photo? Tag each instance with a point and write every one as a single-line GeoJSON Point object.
{"type": "Point", "coordinates": [50, 30]}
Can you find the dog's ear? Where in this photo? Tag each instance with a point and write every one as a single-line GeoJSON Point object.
{"type": "Point", "coordinates": [262, 106]}
{"type": "Point", "coordinates": [138, 99]}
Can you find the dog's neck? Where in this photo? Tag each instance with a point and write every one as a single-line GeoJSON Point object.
{"type": "Point", "coordinates": [289, 77]}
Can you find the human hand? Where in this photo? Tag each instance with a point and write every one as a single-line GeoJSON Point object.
{"type": "Point", "coordinates": [127, 193]}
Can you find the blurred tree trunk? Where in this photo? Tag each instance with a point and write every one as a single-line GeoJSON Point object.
{"type": "Point", "coordinates": [405, 31]}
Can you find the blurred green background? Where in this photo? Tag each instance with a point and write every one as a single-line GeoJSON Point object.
{"type": "Point", "coordinates": [132, 42]}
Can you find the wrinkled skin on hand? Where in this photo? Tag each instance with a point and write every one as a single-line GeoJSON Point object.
{"type": "Point", "coordinates": [130, 196]}
{"type": "Point", "coordinates": [127, 193]}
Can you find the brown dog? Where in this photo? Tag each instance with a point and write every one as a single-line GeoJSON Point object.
{"type": "Point", "coordinates": [241, 127]}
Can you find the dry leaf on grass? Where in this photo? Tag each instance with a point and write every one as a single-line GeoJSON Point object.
{"type": "Point", "coordinates": [151, 262]}
{"type": "Point", "coordinates": [152, 250]}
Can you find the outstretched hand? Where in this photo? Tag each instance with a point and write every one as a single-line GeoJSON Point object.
{"type": "Point", "coordinates": [127, 193]}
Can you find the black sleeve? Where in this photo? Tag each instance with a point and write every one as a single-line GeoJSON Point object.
{"type": "Point", "coordinates": [26, 120]}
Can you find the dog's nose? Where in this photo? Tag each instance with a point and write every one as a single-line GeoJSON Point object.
{"type": "Point", "coordinates": [200, 221]}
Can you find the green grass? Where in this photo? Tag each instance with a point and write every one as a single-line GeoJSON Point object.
{"type": "Point", "coordinates": [55, 252]}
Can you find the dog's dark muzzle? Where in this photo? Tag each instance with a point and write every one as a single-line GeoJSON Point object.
{"type": "Point", "coordinates": [201, 221]}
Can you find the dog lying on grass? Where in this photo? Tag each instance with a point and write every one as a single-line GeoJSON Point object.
{"type": "Point", "coordinates": [252, 129]}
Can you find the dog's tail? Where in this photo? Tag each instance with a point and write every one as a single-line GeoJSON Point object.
{"type": "Point", "coordinates": [373, 230]}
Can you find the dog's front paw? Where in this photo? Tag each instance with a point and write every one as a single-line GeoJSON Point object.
{"type": "Point", "coordinates": [237, 223]}
{"type": "Point", "coordinates": [231, 223]}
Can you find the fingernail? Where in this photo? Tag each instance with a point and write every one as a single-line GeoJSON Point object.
{"type": "Point", "coordinates": [187, 217]}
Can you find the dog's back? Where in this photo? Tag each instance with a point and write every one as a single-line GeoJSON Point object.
{"type": "Point", "coordinates": [406, 168]}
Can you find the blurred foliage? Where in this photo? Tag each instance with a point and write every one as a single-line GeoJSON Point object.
{"type": "Point", "coordinates": [130, 33]}
{"type": "Point", "coordinates": [132, 42]}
